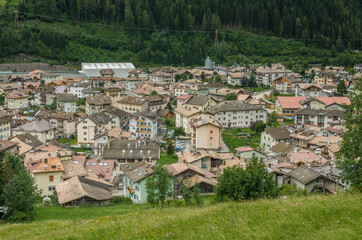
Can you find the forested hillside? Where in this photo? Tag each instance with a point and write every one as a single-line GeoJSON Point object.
{"type": "Point", "coordinates": [182, 32]}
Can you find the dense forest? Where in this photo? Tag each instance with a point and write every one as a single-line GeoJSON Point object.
{"type": "Point", "coordinates": [182, 32]}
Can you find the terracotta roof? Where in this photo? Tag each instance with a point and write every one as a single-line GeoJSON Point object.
{"type": "Point", "coordinates": [184, 97]}
{"type": "Point", "coordinates": [50, 164]}
{"type": "Point", "coordinates": [100, 167]}
{"type": "Point", "coordinates": [290, 102]}
{"type": "Point", "coordinates": [187, 111]}
{"type": "Point", "coordinates": [119, 133]}
{"type": "Point", "coordinates": [72, 169]}
{"type": "Point", "coordinates": [307, 157]}
{"type": "Point", "coordinates": [16, 95]}
{"type": "Point", "coordinates": [204, 119]}
{"type": "Point", "coordinates": [6, 144]}
{"type": "Point", "coordinates": [244, 149]}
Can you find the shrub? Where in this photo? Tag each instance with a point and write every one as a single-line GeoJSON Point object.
{"type": "Point", "coordinates": [122, 200]}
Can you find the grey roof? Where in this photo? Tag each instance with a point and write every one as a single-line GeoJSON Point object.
{"type": "Point", "coordinates": [87, 91]}
{"type": "Point", "coordinates": [66, 97]}
{"type": "Point", "coordinates": [282, 147]}
{"type": "Point", "coordinates": [99, 118]}
{"type": "Point", "coordinates": [29, 139]}
{"type": "Point", "coordinates": [139, 173]}
{"type": "Point", "coordinates": [304, 175]}
{"type": "Point", "coordinates": [37, 125]}
{"type": "Point", "coordinates": [98, 100]}
{"type": "Point", "coordinates": [131, 149]}
{"type": "Point", "coordinates": [116, 112]}
{"type": "Point", "coordinates": [278, 133]}
{"type": "Point", "coordinates": [315, 112]}
{"type": "Point", "coordinates": [79, 187]}
{"type": "Point", "coordinates": [198, 100]}
{"type": "Point", "coordinates": [79, 84]}
{"type": "Point", "coordinates": [235, 105]}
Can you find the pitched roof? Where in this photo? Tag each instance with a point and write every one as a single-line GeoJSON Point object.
{"type": "Point", "coordinates": [233, 106]}
{"type": "Point", "coordinates": [278, 133]}
{"type": "Point", "coordinates": [16, 94]}
{"type": "Point", "coordinates": [204, 119]}
{"type": "Point", "coordinates": [131, 149]}
{"type": "Point", "coordinates": [133, 100]}
{"type": "Point", "coordinates": [198, 100]}
{"type": "Point", "coordinates": [100, 167]}
{"type": "Point", "coordinates": [66, 97]}
{"type": "Point", "coordinates": [116, 112]}
{"type": "Point", "coordinates": [6, 144]}
{"type": "Point", "coordinates": [139, 173]}
{"type": "Point", "coordinates": [304, 174]}
{"type": "Point", "coordinates": [196, 179]}
{"type": "Point", "coordinates": [290, 102]}
{"type": "Point", "coordinates": [79, 187]}
{"type": "Point", "coordinates": [98, 100]}
{"type": "Point", "coordinates": [99, 118]}
{"type": "Point", "coordinates": [180, 167]}
{"type": "Point", "coordinates": [29, 140]}
{"type": "Point", "coordinates": [72, 169]}
{"type": "Point", "coordinates": [244, 149]}
{"type": "Point", "coordinates": [37, 125]}
{"type": "Point", "coordinates": [50, 164]}
{"type": "Point", "coordinates": [186, 111]}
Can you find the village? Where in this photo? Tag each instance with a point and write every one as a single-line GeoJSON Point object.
{"type": "Point", "coordinates": [90, 135]}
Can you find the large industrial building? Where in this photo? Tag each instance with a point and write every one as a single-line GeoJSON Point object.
{"type": "Point", "coordinates": [119, 69]}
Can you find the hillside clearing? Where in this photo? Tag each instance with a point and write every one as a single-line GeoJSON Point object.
{"type": "Point", "coordinates": [314, 217]}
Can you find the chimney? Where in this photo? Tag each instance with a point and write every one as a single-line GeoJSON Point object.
{"type": "Point", "coordinates": [107, 169]}
{"type": "Point", "coordinates": [58, 165]}
{"type": "Point", "coordinates": [45, 167]}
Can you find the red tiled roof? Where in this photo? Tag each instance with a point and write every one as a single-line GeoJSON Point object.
{"type": "Point", "coordinates": [244, 149]}
{"type": "Point", "coordinates": [290, 102]}
{"type": "Point", "coordinates": [331, 100]}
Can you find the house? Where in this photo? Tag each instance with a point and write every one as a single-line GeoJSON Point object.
{"type": "Point", "coordinates": [78, 191]}
{"type": "Point", "coordinates": [67, 102]}
{"type": "Point", "coordinates": [135, 180]}
{"type": "Point", "coordinates": [206, 185]}
{"type": "Point", "coordinates": [285, 84]}
{"type": "Point", "coordinates": [213, 86]}
{"type": "Point", "coordinates": [309, 90]}
{"type": "Point", "coordinates": [320, 118]}
{"type": "Point", "coordinates": [95, 104]}
{"type": "Point", "coordinates": [103, 168]}
{"type": "Point", "coordinates": [9, 146]}
{"type": "Point", "coordinates": [182, 99]}
{"type": "Point", "coordinates": [27, 142]}
{"type": "Point", "coordinates": [326, 146]}
{"type": "Point", "coordinates": [9, 87]}
{"type": "Point", "coordinates": [113, 92]}
{"type": "Point", "coordinates": [39, 128]}
{"type": "Point", "coordinates": [65, 124]}
{"type": "Point", "coordinates": [306, 178]}
{"type": "Point", "coordinates": [5, 130]}
{"type": "Point", "coordinates": [202, 103]}
{"type": "Point", "coordinates": [118, 116]}
{"type": "Point", "coordinates": [182, 171]}
{"type": "Point", "coordinates": [207, 160]}
{"type": "Point", "coordinates": [47, 173]}
{"type": "Point", "coordinates": [161, 77]}
{"type": "Point", "coordinates": [144, 125]}
{"type": "Point", "coordinates": [165, 113]}
{"type": "Point", "coordinates": [118, 133]}
{"type": "Point", "coordinates": [264, 75]}
{"type": "Point", "coordinates": [325, 77]}
{"type": "Point", "coordinates": [183, 117]}
{"type": "Point", "coordinates": [133, 104]}
{"type": "Point", "coordinates": [325, 103]}
{"type": "Point", "coordinates": [77, 88]}
{"type": "Point", "coordinates": [306, 158]}
{"type": "Point", "coordinates": [182, 89]}
{"type": "Point", "coordinates": [288, 105]}
{"type": "Point", "coordinates": [89, 127]}
{"type": "Point", "coordinates": [248, 153]}
{"type": "Point", "coordinates": [205, 132]}
{"type": "Point", "coordinates": [272, 136]}
{"type": "Point", "coordinates": [155, 103]}
{"type": "Point", "coordinates": [238, 79]}
{"type": "Point", "coordinates": [281, 149]}
{"type": "Point", "coordinates": [138, 73]}
{"type": "Point", "coordinates": [237, 114]}
{"type": "Point", "coordinates": [99, 142]}
{"type": "Point", "coordinates": [130, 151]}
{"type": "Point", "coordinates": [16, 100]}
{"type": "Point", "coordinates": [131, 83]}
{"type": "Point", "coordinates": [45, 95]}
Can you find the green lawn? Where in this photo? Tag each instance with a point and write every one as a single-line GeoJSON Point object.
{"type": "Point", "coordinates": [68, 140]}
{"type": "Point", "coordinates": [81, 150]}
{"type": "Point", "coordinates": [233, 138]}
{"type": "Point", "coordinates": [313, 217]}
{"type": "Point", "coordinates": [167, 159]}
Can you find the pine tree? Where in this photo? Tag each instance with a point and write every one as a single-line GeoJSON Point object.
{"type": "Point", "coordinates": [159, 186]}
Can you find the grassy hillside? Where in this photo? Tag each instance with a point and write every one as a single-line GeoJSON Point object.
{"type": "Point", "coordinates": [315, 217]}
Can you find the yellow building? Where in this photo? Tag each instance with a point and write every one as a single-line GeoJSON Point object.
{"type": "Point", "coordinates": [47, 173]}
{"type": "Point", "coordinates": [133, 104]}
{"type": "Point", "coordinates": [113, 92]}
{"type": "Point", "coordinates": [16, 100]}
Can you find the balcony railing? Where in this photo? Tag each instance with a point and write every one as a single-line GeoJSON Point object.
{"type": "Point", "coordinates": [142, 131]}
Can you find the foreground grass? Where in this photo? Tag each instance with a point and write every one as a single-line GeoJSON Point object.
{"type": "Point", "coordinates": [315, 217]}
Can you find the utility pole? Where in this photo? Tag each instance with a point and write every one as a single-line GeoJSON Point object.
{"type": "Point", "coordinates": [16, 20]}
{"type": "Point", "coordinates": [216, 38]}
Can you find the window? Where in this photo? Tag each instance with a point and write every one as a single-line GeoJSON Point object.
{"type": "Point", "coordinates": [211, 138]}
{"type": "Point", "coordinates": [85, 127]}
{"type": "Point", "coordinates": [51, 178]}
{"type": "Point", "coordinates": [85, 133]}
{"type": "Point", "coordinates": [211, 132]}
{"type": "Point", "coordinates": [51, 188]}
